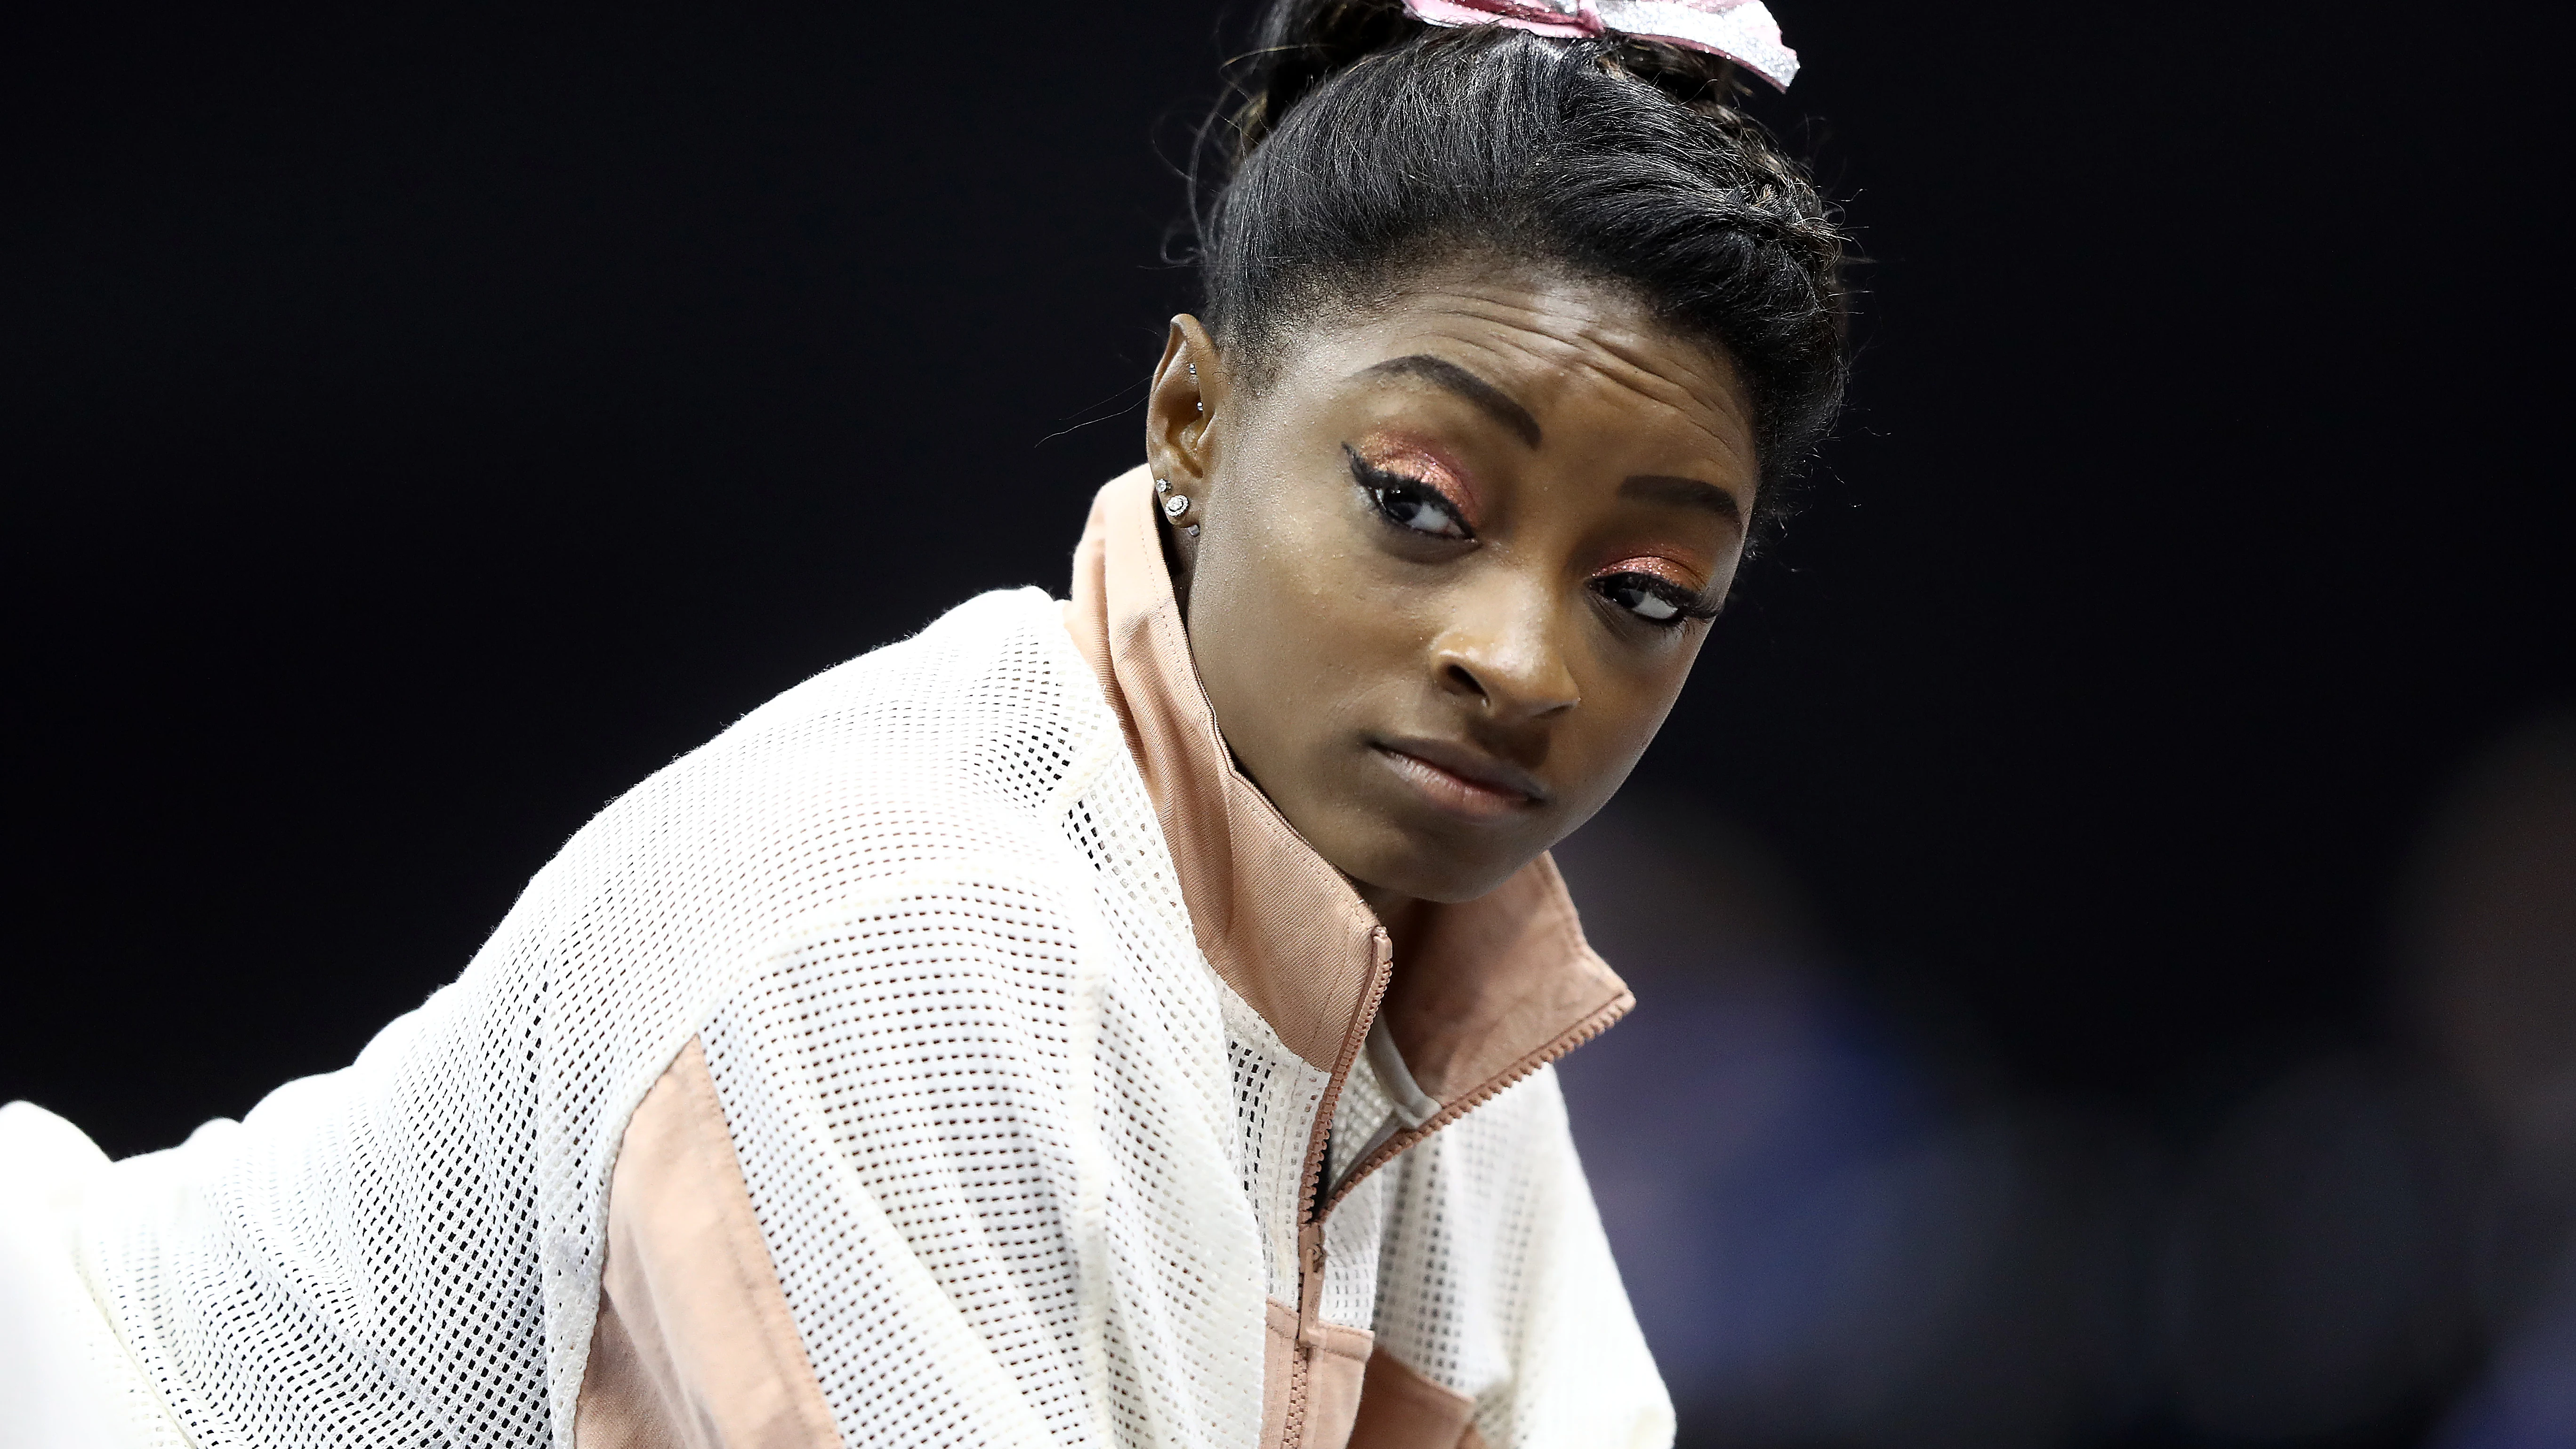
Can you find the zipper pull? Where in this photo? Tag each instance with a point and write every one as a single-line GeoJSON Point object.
{"type": "Point", "coordinates": [1310, 1285]}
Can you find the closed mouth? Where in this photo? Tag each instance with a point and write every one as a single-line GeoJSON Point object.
{"type": "Point", "coordinates": [1461, 779]}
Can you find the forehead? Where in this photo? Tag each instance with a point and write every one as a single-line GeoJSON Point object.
{"type": "Point", "coordinates": [1590, 360]}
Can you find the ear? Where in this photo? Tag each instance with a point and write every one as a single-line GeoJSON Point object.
{"type": "Point", "coordinates": [1182, 409]}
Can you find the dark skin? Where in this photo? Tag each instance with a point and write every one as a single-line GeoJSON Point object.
{"type": "Point", "coordinates": [1456, 556]}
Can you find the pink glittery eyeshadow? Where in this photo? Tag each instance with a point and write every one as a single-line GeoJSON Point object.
{"type": "Point", "coordinates": [1400, 455]}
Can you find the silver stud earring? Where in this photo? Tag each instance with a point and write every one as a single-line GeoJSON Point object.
{"type": "Point", "coordinates": [1176, 505]}
{"type": "Point", "coordinates": [1162, 486]}
{"type": "Point", "coordinates": [1192, 530]}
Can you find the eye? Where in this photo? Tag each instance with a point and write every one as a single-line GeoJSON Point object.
{"type": "Point", "coordinates": [1407, 503]}
{"type": "Point", "coordinates": [1653, 600]}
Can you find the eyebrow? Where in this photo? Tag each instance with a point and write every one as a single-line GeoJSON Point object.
{"type": "Point", "coordinates": [1682, 493]}
{"type": "Point", "coordinates": [1468, 385]}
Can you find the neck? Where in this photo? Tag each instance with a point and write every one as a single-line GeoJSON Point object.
{"type": "Point", "coordinates": [1400, 914]}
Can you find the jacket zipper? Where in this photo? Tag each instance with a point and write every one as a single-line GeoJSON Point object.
{"type": "Point", "coordinates": [1311, 1206]}
{"type": "Point", "coordinates": [1592, 1026]}
{"type": "Point", "coordinates": [1314, 1204]}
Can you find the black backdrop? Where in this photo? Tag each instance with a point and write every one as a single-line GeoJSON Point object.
{"type": "Point", "coordinates": [418, 428]}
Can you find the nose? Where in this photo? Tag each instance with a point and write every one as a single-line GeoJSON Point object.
{"type": "Point", "coordinates": [1503, 650]}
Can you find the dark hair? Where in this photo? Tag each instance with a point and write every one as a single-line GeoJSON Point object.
{"type": "Point", "coordinates": [1364, 145]}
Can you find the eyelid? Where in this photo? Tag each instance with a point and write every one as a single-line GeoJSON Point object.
{"type": "Point", "coordinates": [1662, 569]}
{"type": "Point", "coordinates": [1695, 600]}
{"type": "Point", "coordinates": [1422, 466]}
{"type": "Point", "coordinates": [1364, 468]}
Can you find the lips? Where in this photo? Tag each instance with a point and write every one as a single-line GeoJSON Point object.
{"type": "Point", "coordinates": [1461, 778]}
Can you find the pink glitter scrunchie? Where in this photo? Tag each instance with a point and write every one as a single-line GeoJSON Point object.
{"type": "Point", "coordinates": [1740, 30]}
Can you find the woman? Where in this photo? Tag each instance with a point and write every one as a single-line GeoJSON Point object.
{"type": "Point", "coordinates": [1117, 1021]}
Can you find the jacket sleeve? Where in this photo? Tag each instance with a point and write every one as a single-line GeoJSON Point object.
{"type": "Point", "coordinates": [1497, 1284]}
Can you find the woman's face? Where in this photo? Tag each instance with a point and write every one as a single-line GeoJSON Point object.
{"type": "Point", "coordinates": [1455, 558]}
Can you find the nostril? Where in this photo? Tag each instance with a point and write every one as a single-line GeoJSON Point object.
{"type": "Point", "coordinates": [1461, 677]}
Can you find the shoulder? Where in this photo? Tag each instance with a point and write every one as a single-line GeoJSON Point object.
{"type": "Point", "coordinates": [1012, 640]}
{"type": "Point", "coordinates": [985, 707]}
{"type": "Point", "coordinates": [999, 667]}
{"type": "Point", "coordinates": [921, 757]}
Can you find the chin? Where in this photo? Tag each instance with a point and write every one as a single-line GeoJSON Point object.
{"type": "Point", "coordinates": [1430, 866]}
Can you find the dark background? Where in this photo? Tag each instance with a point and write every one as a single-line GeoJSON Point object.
{"type": "Point", "coordinates": [416, 429]}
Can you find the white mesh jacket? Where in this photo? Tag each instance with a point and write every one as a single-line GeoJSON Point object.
{"type": "Point", "coordinates": [956, 1051]}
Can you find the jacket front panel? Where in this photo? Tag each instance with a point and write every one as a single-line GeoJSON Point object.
{"type": "Point", "coordinates": [1028, 1163]}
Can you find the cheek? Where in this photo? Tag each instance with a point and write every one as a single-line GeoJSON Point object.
{"type": "Point", "coordinates": [1634, 699]}
{"type": "Point", "coordinates": [1284, 627]}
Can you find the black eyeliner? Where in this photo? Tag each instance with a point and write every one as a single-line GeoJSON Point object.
{"type": "Point", "coordinates": [1380, 481]}
{"type": "Point", "coordinates": [1694, 605]}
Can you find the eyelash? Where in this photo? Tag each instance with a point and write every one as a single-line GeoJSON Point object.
{"type": "Point", "coordinates": [1686, 605]}
{"type": "Point", "coordinates": [1401, 500]}
{"type": "Point", "coordinates": [1396, 496]}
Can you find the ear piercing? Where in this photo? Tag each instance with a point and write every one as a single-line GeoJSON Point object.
{"type": "Point", "coordinates": [1174, 504]}
{"type": "Point", "coordinates": [1194, 382]}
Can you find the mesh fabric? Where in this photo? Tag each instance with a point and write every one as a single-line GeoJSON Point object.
{"type": "Point", "coordinates": [1025, 1167]}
